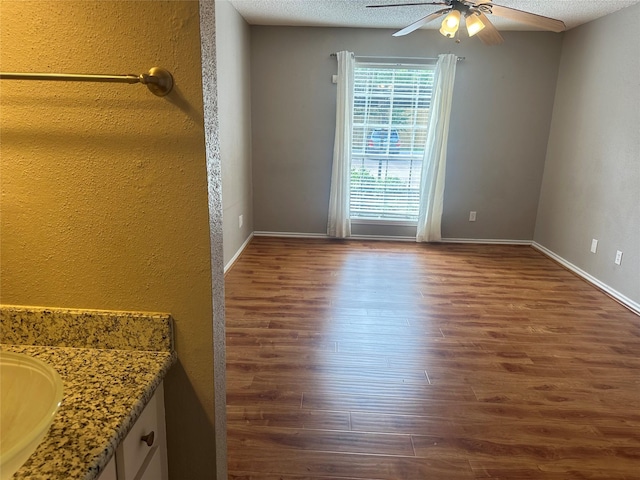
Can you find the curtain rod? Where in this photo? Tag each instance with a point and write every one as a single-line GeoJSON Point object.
{"type": "Point", "coordinates": [460, 59]}
{"type": "Point", "coordinates": [159, 81]}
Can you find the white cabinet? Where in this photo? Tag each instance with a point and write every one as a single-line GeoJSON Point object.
{"type": "Point", "coordinates": [142, 455]}
{"type": "Point", "coordinates": [109, 472]}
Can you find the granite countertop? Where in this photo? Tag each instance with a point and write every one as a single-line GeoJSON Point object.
{"type": "Point", "coordinates": [105, 389]}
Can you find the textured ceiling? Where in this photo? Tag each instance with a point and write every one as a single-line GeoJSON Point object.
{"type": "Point", "coordinates": [353, 13]}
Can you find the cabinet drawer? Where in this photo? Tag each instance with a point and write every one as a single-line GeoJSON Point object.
{"type": "Point", "coordinates": [133, 450]}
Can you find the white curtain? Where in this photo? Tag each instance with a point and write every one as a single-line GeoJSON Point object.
{"type": "Point", "coordinates": [339, 224]}
{"type": "Point", "coordinates": [435, 152]}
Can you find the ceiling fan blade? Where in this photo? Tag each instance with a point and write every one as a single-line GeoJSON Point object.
{"type": "Point", "coordinates": [424, 20]}
{"type": "Point", "coordinates": [489, 35]}
{"type": "Point", "coordinates": [539, 21]}
{"type": "Point", "coordinates": [407, 4]}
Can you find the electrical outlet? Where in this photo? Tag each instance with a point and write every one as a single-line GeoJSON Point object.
{"type": "Point", "coordinates": [594, 245]}
{"type": "Point", "coordinates": [472, 216]}
{"type": "Point", "coordinates": [240, 221]}
{"type": "Point", "coordinates": [618, 257]}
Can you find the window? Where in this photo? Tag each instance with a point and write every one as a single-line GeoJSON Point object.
{"type": "Point", "coordinates": [390, 114]}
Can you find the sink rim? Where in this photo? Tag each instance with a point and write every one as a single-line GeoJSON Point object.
{"type": "Point", "coordinates": [42, 426]}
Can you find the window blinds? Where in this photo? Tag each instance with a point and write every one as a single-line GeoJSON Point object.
{"type": "Point", "coordinates": [390, 117]}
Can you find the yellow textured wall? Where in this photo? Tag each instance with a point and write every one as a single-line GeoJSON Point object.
{"type": "Point", "coordinates": [104, 187]}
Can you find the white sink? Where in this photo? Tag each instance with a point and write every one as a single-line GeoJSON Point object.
{"type": "Point", "coordinates": [30, 394]}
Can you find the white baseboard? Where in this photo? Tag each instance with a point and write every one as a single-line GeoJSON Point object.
{"type": "Point", "coordinates": [623, 299]}
{"type": "Point", "coordinates": [487, 241]}
{"type": "Point", "coordinates": [384, 238]}
{"type": "Point", "coordinates": [238, 253]}
{"type": "Point", "coordinates": [321, 235]}
{"type": "Point", "coordinates": [290, 235]}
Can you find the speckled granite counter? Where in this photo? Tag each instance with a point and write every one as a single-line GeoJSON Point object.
{"type": "Point", "coordinates": [105, 389]}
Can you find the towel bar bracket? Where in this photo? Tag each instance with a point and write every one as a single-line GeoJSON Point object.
{"type": "Point", "coordinates": [159, 81]}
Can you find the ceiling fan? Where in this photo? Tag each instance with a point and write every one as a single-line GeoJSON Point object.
{"type": "Point", "coordinates": [475, 13]}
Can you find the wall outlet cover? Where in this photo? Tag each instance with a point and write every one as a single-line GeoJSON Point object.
{"type": "Point", "coordinates": [618, 257]}
{"type": "Point", "coordinates": [472, 216]}
{"type": "Point", "coordinates": [594, 245]}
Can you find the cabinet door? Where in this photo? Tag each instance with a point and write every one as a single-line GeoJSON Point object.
{"type": "Point", "coordinates": [145, 443]}
{"type": "Point", "coordinates": [109, 472]}
{"type": "Point", "coordinates": [153, 470]}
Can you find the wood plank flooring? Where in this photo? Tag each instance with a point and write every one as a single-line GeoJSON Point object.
{"type": "Point", "coordinates": [376, 360]}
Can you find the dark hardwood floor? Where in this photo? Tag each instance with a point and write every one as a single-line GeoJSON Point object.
{"type": "Point", "coordinates": [376, 360]}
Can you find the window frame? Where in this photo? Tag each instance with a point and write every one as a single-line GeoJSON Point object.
{"type": "Point", "coordinates": [389, 64]}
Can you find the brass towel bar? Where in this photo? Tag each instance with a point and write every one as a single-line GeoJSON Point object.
{"type": "Point", "coordinates": [159, 81]}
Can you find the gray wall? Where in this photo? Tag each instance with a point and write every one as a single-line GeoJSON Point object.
{"type": "Point", "coordinates": [234, 107]}
{"type": "Point", "coordinates": [499, 126]}
{"type": "Point", "coordinates": [591, 186]}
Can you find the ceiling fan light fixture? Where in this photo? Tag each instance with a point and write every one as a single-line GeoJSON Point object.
{"type": "Point", "coordinates": [450, 24]}
{"type": "Point", "coordinates": [474, 24]}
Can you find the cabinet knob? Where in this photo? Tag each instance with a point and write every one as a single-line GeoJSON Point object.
{"type": "Point", "coordinates": [148, 438]}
